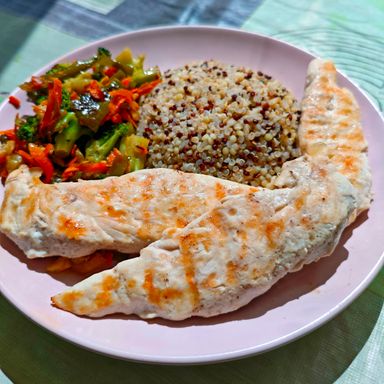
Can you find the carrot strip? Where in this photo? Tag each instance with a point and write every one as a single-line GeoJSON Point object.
{"type": "Point", "coordinates": [147, 87]}
{"type": "Point", "coordinates": [100, 167]}
{"type": "Point", "coordinates": [93, 263]}
{"type": "Point", "coordinates": [52, 113]}
{"type": "Point", "coordinates": [26, 157]}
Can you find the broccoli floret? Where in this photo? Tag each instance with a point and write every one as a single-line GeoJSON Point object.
{"type": "Point", "coordinates": [98, 149]}
{"type": "Point", "coordinates": [65, 100]}
{"type": "Point", "coordinates": [103, 51]}
{"type": "Point", "coordinates": [70, 132]}
{"type": "Point", "coordinates": [40, 99]}
{"type": "Point", "coordinates": [27, 128]}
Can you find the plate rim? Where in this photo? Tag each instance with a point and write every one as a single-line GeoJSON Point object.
{"type": "Point", "coordinates": [214, 357]}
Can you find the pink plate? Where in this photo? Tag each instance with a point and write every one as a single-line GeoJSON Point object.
{"type": "Point", "coordinates": [295, 306]}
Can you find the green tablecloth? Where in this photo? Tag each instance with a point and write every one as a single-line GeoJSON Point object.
{"type": "Point", "coordinates": [348, 349]}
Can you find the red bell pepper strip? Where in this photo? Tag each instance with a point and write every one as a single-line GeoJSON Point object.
{"type": "Point", "coordinates": [110, 71]}
{"type": "Point", "coordinates": [26, 157]}
{"type": "Point", "coordinates": [125, 82]}
{"type": "Point", "coordinates": [95, 91]}
{"type": "Point", "coordinates": [74, 95]}
{"type": "Point", "coordinates": [14, 101]}
{"type": "Point", "coordinates": [10, 133]}
{"type": "Point", "coordinates": [3, 159]}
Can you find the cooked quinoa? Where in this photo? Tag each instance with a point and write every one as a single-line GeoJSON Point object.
{"type": "Point", "coordinates": [221, 120]}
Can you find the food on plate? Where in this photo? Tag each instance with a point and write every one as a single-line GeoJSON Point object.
{"type": "Point", "coordinates": [242, 246]}
{"type": "Point", "coordinates": [123, 213]}
{"type": "Point", "coordinates": [84, 121]}
{"type": "Point", "coordinates": [221, 120]}
{"type": "Point", "coordinates": [229, 255]}
{"type": "Point", "coordinates": [208, 245]}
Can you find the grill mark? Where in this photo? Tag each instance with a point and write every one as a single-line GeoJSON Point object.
{"type": "Point", "coordinates": [272, 231]}
{"type": "Point", "coordinates": [220, 192]}
{"type": "Point", "coordinates": [299, 202]}
{"type": "Point", "coordinates": [243, 236]}
{"type": "Point", "coordinates": [232, 272]}
{"type": "Point", "coordinates": [108, 193]}
{"type": "Point", "coordinates": [356, 135]}
{"type": "Point", "coordinates": [70, 227]}
{"type": "Point", "coordinates": [152, 292]}
{"type": "Point", "coordinates": [116, 213]}
{"type": "Point", "coordinates": [145, 232]}
{"type": "Point", "coordinates": [68, 300]}
{"type": "Point", "coordinates": [180, 222]}
{"type": "Point", "coordinates": [104, 297]}
{"type": "Point", "coordinates": [7, 204]}
{"type": "Point", "coordinates": [131, 283]}
{"type": "Point", "coordinates": [160, 210]}
{"type": "Point", "coordinates": [29, 203]}
{"type": "Point", "coordinates": [210, 281]}
{"type": "Point", "coordinates": [187, 244]}
{"type": "Point", "coordinates": [157, 295]}
{"type": "Point", "coordinates": [305, 221]}
{"type": "Point", "coordinates": [349, 164]}
{"type": "Point", "coordinates": [105, 195]}
{"type": "Point", "coordinates": [217, 220]}
{"type": "Point", "coordinates": [182, 185]}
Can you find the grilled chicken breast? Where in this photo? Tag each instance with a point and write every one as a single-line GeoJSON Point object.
{"type": "Point", "coordinates": [330, 126]}
{"type": "Point", "coordinates": [228, 256]}
{"type": "Point", "coordinates": [120, 213]}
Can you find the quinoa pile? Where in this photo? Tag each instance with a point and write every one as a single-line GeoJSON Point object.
{"type": "Point", "coordinates": [221, 120]}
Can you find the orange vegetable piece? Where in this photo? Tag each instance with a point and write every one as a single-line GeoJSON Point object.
{"type": "Point", "coordinates": [52, 113]}
{"type": "Point", "coordinates": [14, 101]}
{"type": "Point", "coordinates": [94, 263]}
{"type": "Point", "coordinates": [95, 91]}
{"type": "Point", "coordinates": [59, 265]}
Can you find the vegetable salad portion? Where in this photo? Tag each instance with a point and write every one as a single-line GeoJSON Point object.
{"type": "Point", "coordinates": [85, 119]}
